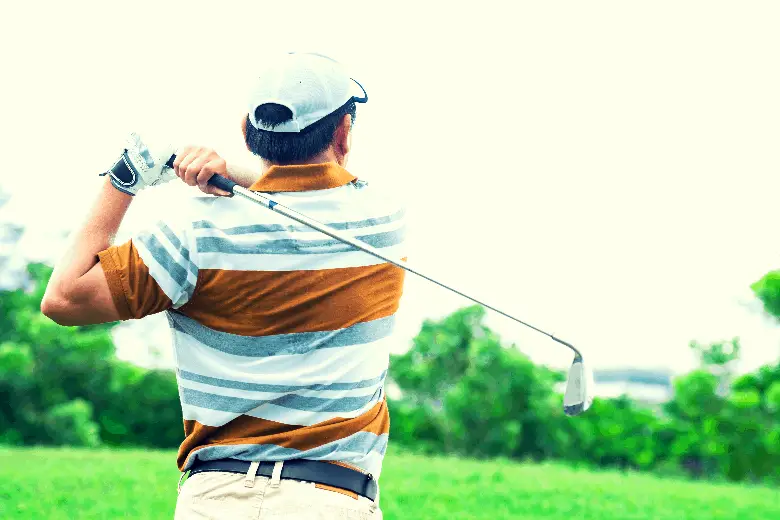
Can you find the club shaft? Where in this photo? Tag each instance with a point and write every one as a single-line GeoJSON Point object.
{"type": "Point", "coordinates": [362, 246]}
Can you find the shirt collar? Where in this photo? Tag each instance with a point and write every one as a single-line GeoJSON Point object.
{"type": "Point", "coordinates": [303, 177]}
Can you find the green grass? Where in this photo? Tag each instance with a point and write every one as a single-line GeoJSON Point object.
{"type": "Point", "coordinates": [69, 484]}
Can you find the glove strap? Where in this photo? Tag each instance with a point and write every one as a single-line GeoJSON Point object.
{"type": "Point", "coordinates": [123, 174]}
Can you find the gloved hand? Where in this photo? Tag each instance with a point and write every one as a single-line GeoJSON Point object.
{"type": "Point", "coordinates": [141, 166]}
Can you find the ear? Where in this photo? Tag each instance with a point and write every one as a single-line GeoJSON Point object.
{"type": "Point", "coordinates": [243, 131]}
{"type": "Point", "coordinates": [341, 139]}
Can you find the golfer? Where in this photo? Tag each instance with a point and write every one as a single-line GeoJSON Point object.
{"type": "Point", "coordinates": [281, 334]}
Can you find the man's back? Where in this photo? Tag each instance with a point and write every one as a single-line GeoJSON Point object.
{"type": "Point", "coordinates": [280, 333]}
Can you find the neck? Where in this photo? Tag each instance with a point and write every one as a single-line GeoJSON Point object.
{"type": "Point", "coordinates": [324, 157]}
{"type": "Point", "coordinates": [245, 177]}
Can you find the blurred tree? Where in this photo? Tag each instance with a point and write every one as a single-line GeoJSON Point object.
{"type": "Point", "coordinates": [696, 443]}
{"type": "Point", "coordinates": [719, 359]}
{"type": "Point", "coordinates": [477, 396]}
{"type": "Point", "coordinates": [768, 291]}
{"type": "Point", "coordinates": [64, 385]}
{"type": "Point", "coordinates": [731, 431]}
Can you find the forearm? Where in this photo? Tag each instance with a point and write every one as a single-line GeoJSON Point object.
{"type": "Point", "coordinates": [95, 235]}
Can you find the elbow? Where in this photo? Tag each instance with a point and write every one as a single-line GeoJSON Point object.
{"type": "Point", "coordinates": [56, 309]}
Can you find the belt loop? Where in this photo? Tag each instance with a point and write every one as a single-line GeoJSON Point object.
{"type": "Point", "coordinates": [375, 504]}
{"type": "Point", "coordinates": [276, 475]}
{"type": "Point", "coordinates": [249, 481]}
{"type": "Point", "coordinates": [178, 488]}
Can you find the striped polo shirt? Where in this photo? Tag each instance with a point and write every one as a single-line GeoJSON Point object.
{"type": "Point", "coordinates": [281, 334]}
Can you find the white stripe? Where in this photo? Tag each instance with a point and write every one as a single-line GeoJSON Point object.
{"type": "Point", "coordinates": [324, 366]}
{"type": "Point", "coordinates": [272, 412]}
{"type": "Point", "coordinates": [342, 204]}
{"type": "Point", "coordinates": [205, 416]}
{"type": "Point", "coordinates": [269, 412]}
{"type": "Point", "coordinates": [296, 262]}
{"type": "Point", "coordinates": [254, 394]}
{"type": "Point", "coordinates": [171, 289]}
{"type": "Point", "coordinates": [297, 235]}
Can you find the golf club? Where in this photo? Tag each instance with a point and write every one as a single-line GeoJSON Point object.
{"type": "Point", "coordinates": [577, 397]}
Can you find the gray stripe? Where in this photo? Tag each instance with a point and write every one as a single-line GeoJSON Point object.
{"type": "Point", "coordinates": [223, 403]}
{"type": "Point", "coordinates": [291, 246]}
{"type": "Point", "coordinates": [183, 251]}
{"type": "Point", "coordinates": [293, 343]}
{"type": "Point", "coordinates": [355, 449]}
{"type": "Point", "coordinates": [270, 228]}
{"type": "Point", "coordinates": [166, 261]}
{"type": "Point", "coordinates": [261, 387]}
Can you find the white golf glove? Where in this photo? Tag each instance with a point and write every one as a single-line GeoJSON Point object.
{"type": "Point", "coordinates": [141, 166]}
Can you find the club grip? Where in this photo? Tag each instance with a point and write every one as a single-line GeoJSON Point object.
{"type": "Point", "coordinates": [217, 180]}
{"type": "Point", "coordinates": [222, 183]}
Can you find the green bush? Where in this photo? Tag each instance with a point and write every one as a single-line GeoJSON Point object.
{"type": "Point", "coordinates": [473, 395]}
{"type": "Point", "coordinates": [64, 385]}
{"type": "Point", "coordinates": [768, 291]}
{"type": "Point", "coordinates": [71, 424]}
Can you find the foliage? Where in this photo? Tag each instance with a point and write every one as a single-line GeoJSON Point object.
{"type": "Point", "coordinates": [64, 385]}
{"type": "Point", "coordinates": [717, 354]}
{"type": "Point", "coordinates": [71, 424]}
{"type": "Point", "coordinates": [768, 291]}
{"type": "Point", "coordinates": [464, 392]}
{"type": "Point", "coordinates": [473, 395]}
{"type": "Point", "coordinates": [733, 435]}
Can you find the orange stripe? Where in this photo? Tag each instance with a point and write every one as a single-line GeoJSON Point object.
{"type": "Point", "coordinates": [262, 303]}
{"type": "Point", "coordinates": [252, 430]}
{"type": "Point", "coordinates": [135, 293]}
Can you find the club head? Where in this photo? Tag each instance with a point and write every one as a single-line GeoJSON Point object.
{"type": "Point", "coordinates": [578, 395]}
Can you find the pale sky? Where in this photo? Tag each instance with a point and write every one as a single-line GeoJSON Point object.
{"type": "Point", "coordinates": [607, 171]}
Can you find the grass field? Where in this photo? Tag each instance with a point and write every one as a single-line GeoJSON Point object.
{"type": "Point", "coordinates": [67, 484]}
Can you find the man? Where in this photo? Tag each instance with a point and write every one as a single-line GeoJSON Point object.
{"type": "Point", "coordinates": [280, 334]}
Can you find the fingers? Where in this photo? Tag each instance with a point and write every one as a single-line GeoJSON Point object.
{"type": "Point", "coordinates": [196, 165]}
{"type": "Point", "coordinates": [182, 155]}
{"type": "Point", "coordinates": [193, 170]}
{"type": "Point", "coordinates": [213, 190]}
{"type": "Point", "coordinates": [184, 158]}
{"type": "Point", "coordinates": [213, 166]}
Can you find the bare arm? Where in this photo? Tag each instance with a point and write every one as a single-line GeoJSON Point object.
{"type": "Point", "coordinates": [78, 292]}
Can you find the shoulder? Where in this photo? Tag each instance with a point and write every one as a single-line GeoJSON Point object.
{"type": "Point", "coordinates": [193, 212]}
{"type": "Point", "coordinates": [379, 197]}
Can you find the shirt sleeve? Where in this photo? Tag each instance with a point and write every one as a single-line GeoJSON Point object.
{"type": "Point", "coordinates": [152, 272]}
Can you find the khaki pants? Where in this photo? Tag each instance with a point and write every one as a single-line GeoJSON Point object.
{"type": "Point", "coordinates": [232, 496]}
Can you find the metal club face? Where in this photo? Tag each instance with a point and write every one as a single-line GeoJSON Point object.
{"type": "Point", "coordinates": [578, 395]}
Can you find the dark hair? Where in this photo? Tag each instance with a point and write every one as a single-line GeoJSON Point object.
{"type": "Point", "coordinates": [292, 147]}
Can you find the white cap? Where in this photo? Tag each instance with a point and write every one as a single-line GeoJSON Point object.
{"type": "Point", "coordinates": [310, 85]}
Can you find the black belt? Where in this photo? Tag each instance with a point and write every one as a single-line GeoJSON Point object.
{"type": "Point", "coordinates": [299, 469]}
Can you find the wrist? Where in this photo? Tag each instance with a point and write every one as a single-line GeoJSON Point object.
{"type": "Point", "coordinates": [111, 191]}
{"type": "Point", "coordinates": [139, 167]}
